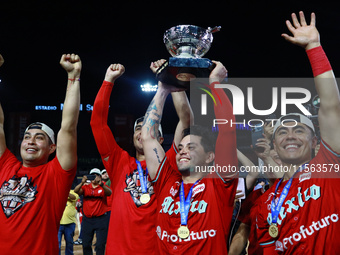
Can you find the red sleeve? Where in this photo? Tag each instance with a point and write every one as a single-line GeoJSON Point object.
{"type": "Point", "coordinates": [167, 169]}
{"type": "Point", "coordinates": [225, 150]}
{"type": "Point", "coordinates": [106, 144]}
{"type": "Point", "coordinates": [247, 206]}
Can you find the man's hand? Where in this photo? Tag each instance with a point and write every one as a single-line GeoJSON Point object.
{"type": "Point", "coordinates": [114, 72]}
{"type": "Point", "coordinates": [84, 179]}
{"type": "Point", "coordinates": [262, 149]}
{"type": "Point", "coordinates": [72, 64]}
{"type": "Point", "coordinates": [157, 64]}
{"type": "Point", "coordinates": [219, 73]}
{"type": "Point", "coordinates": [1, 60]}
{"type": "Point", "coordinates": [306, 36]}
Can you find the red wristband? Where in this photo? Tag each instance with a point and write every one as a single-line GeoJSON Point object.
{"type": "Point", "coordinates": [318, 61]}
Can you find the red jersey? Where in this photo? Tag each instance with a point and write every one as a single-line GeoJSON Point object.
{"type": "Point", "coordinates": [132, 224]}
{"type": "Point", "coordinates": [33, 200]}
{"type": "Point", "coordinates": [94, 201]}
{"type": "Point", "coordinates": [209, 217]}
{"type": "Point", "coordinates": [212, 201]}
{"type": "Point", "coordinates": [248, 216]}
{"type": "Point", "coordinates": [308, 221]}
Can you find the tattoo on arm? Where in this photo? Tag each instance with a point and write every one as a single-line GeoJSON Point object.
{"type": "Point", "coordinates": [156, 152]}
{"type": "Point", "coordinates": [152, 119]}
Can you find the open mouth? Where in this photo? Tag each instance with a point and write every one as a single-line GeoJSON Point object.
{"type": "Point", "coordinates": [291, 146]}
{"type": "Point", "coordinates": [184, 160]}
{"type": "Point", "coordinates": [31, 150]}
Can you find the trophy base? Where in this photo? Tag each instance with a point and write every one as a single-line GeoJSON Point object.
{"type": "Point", "coordinates": [179, 71]}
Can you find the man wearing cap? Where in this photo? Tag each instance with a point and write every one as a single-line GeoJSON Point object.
{"type": "Point", "coordinates": [95, 215]}
{"type": "Point", "coordinates": [299, 214]}
{"type": "Point", "coordinates": [132, 226]}
{"type": "Point", "coordinates": [34, 192]}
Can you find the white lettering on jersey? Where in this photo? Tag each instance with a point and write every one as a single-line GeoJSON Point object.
{"type": "Point", "coordinates": [305, 232]}
{"type": "Point", "coordinates": [204, 234]}
{"type": "Point", "coordinates": [295, 203]}
{"type": "Point", "coordinates": [170, 207]}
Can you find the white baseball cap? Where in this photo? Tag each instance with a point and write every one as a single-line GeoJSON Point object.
{"type": "Point", "coordinates": [43, 127]}
{"type": "Point", "coordinates": [294, 117]}
{"type": "Point", "coordinates": [95, 171]}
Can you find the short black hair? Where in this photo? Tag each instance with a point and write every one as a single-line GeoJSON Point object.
{"type": "Point", "coordinates": [208, 138]}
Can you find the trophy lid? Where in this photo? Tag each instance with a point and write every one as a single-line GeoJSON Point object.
{"type": "Point", "coordinates": [189, 41]}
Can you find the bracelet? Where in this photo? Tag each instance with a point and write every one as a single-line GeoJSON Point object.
{"type": "Point", "coordinates": [318, 60]}
{"type": "Point", "coordinates": [77, 79]}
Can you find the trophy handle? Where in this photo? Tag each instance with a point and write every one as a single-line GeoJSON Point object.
{"type": "Point", "coordinates": [214, 29]}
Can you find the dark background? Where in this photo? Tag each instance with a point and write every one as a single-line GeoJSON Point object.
{"type": "Point", "coordinates": [34, 35]}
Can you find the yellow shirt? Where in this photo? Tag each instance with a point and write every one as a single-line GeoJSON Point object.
{"type": "Point", "coordinates": [70, 211]}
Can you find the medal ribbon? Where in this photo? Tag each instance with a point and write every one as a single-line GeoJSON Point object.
{"type": "Point", "coordinates": [185, 203]}
{"type": "Point", "coordinates": [142, 178]}
{"type": "Point", "coordinates": [275, 209]}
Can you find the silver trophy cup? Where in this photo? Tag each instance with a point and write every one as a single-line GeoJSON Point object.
{"type": "Point", "coordinates": [187, 44]}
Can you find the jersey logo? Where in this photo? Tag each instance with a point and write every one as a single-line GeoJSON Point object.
{"type": "Point", "coordinates": [197, 189]}
{"type": "Point", "coordinates": [15, 193]}
{"type": "Point", "coordinates": [133, 186]}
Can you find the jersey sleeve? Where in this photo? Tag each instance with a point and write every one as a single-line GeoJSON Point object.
{"type": "Point", "coordinates": [107, 146]}
{"type": "Point", "coordinates": [7, 158]}
{"type": "Point", "coordinates": [60, 182]}
{"type": "Point", "coordinates": [166, 170]}
{"type": "Point", "coordinates": [326, 164]}
{"type": "Point", "coordinates": [225, 149]}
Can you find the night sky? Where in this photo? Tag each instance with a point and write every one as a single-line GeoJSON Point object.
{"type": "Point", "coordinates": [34, 35]}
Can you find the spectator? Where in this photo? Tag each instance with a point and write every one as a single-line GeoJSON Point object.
{"type": "Point", "coordinates": [68, 223]}
{"type": "Point", "coordinates": [94, 212]}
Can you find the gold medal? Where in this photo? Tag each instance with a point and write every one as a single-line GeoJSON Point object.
{"type": "Point", "coordinates": [144, 198]}
{"type": "Point", "coordinates": [183, 232]}
{"type": "Point", "coordinates": [273, 230]}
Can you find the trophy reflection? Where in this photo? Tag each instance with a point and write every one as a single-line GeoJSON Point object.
{"type": "Point", "coordinates": [187, 44]}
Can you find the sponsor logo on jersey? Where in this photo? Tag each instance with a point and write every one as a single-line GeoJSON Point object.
{"type": "Point", "coordinates": [305, 176]}
{"type": "Point", "coordinates": [306, 231]}
{"type": "Point", "coordinates": [204, 234]}
{"type": "Point", "coordinates": [197, 189]}
{"type": "Point", "coordinates": [15, 193]}
{"type": "Point", "coordinates": [134, 188]}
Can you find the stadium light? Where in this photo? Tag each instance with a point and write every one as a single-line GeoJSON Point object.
{"type": "Point", "coordinates": [147, 87]}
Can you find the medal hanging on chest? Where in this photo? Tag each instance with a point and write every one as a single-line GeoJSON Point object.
{"type": "Point", "coordinates": [145, 197]}
{"type": "Point", "coordinates": [183, 231]}
{"type": "Point", "coordinates": [273, 229]}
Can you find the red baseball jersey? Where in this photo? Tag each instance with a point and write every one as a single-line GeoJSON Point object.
{"type": "Point", "coordinates": [132, 224]}
{"type": "Point", "coordinates": [248, 216]}
{"type": "Point", "coordinates": [308, 221]}
{"type": "Point", "coordinates": [94, 201]}
{"type": "Point", "coordinates": [209, 217]}
{"type": "Point", "coordinates": [33, 200]}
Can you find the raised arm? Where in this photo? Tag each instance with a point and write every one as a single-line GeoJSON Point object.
{"type": "Point", "coordinates": [2, 120]}
{"type": "Point", "coordinates": [307, 36]}
{"type": "Point", "coordinates": [182, 106]}
{"type": "Point", "coordinates": [153, 151]}
{"type": "Point", "coordinates": [225, 150]}
{"type": "Point", "coordinates": [101, 131]}
{"type": "Point", "coordinates": [67, 135]}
